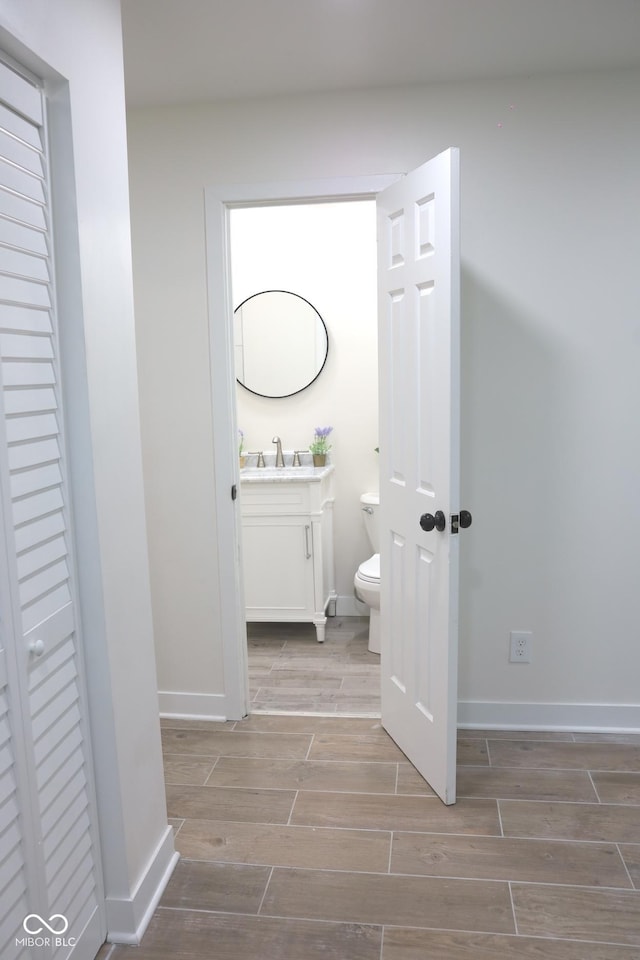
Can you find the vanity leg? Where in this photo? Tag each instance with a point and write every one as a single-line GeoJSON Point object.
{"type": "Point", "coordinates": [320, 625]}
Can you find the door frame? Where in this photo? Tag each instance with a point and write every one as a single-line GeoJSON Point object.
{"type": "Point", "coordinates": [220, 199]}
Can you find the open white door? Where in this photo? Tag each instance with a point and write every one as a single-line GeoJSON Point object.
{"type": "Point", "coordinates": [419, 306]}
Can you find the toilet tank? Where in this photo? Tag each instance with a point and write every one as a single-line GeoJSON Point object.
{"type": "Point", "coordinates": [370, 505]}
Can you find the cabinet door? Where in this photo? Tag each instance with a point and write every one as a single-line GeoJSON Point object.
{"type": "Point", "coordinates": [278, 568]}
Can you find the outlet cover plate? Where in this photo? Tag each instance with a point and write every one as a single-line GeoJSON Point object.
{"type": "Point", "coordinates": [520, 642]}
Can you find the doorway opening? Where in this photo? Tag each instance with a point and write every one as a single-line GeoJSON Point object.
{"type": "Point", "coordinates": [419, 322]}
{"type": "Point", "coordinates": [324, 253]}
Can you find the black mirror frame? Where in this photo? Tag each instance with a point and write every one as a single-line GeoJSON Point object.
{"type": "Point", "coordinates": [282, 396]}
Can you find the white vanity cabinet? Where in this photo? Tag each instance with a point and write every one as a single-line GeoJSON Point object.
{"type": "Point", "coordinates": [287, 545]}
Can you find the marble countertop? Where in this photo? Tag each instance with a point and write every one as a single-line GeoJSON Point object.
{"type": "Point", "coordinates": [304, 474]}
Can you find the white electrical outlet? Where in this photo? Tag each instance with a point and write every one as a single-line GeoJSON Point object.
{"type": "Point", "coordinates": [520, 642]}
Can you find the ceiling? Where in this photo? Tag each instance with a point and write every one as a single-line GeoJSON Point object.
{"type": "Point", "coordinates": [181, 51]}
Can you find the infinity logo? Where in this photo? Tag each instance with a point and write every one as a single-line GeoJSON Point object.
{"type": "Point", "coordinates": [37, 917]}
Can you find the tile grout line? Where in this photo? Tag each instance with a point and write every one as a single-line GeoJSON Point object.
{"type": "Point", "coordinates": [308, 754]}
{"type": "Point", "coordinates": [513, 909]}
{"type": "Point", "coordinates": [445, 878]}
{"type": "Point", "coordinates": [490, 764]}
{"type": "Point", "coordinates": [540, 799]}
{"type": "Point", "coordinates": [486, 799]}
{"type": "Point", "coordinates": [546, 940]}
{"type": "Point", "coordinates": [624, 864]}
{"type": "Point", "coordinates": [520, 768]}
{"type": "Point", "coordinates": [288, 823]}
{"type": "Point", "coordinates": [407, 872]}
{"type": "Point", "coordinates": [266, 887]}
{"type": "Point", "coordinates": [183, 821]}
{"type": "Point", "coordinates": [208, 777]}
{"type": "Point", "coordinates": [595, 789]}
{"type": "Point", "coordinates": [334, 790]}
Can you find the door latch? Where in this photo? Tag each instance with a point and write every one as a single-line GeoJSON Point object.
{"type": "Point", "coordinates": [462, 519]}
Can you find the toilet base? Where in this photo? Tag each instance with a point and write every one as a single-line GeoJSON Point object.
{"type": "Point", "coordinates": [368, 591]}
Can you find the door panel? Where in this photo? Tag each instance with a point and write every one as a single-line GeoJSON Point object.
{"type": "Point", "coordinates": [418, 280]}
{"type": "Point", "coordinates": [56, 846]}
{"type": "Point", "coordinates": [13, 855]}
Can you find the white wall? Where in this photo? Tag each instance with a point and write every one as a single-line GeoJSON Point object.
{"type": "Point", "coordinates": [326, 253]}
{"type": "Point", "coordinates": [76, 47]}
{"type": "Point", "coordinates": [551, 449]}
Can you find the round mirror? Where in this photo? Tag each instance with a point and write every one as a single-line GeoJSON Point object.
{"type": "Point", "coordinates": [281, 343]}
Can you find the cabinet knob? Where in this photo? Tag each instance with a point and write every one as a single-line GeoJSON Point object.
{"type": "Point", "coordinates": [36, 647]}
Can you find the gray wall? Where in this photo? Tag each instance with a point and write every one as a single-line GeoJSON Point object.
{"type": "Point", "coordinates": [550, 344]}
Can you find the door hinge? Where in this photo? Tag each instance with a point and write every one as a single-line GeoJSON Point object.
{"type": "Point", "coordinates": [234, 492]}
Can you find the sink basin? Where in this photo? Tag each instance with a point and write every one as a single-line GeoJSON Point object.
{"type": "Point", "coordinates": [302, 474]}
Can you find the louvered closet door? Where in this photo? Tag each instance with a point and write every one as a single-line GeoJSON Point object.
{"type": "Point", "coordinates": [48, 838]}
{"type": "Point", "coordinates": [14, 901]}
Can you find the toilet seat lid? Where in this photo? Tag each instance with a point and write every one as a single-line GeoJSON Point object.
{"type": "Point", "coordinates": [370, 569]}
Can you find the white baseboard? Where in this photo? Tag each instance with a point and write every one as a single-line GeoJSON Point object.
{"type": "Point", "coordinates": [578, 717]}
{"type": "Point", "coordinates": [194, 706]}
{"type": "Point", "coordinates": [472, 714]}
{"type": "Point", "coordinates": [127, 919]}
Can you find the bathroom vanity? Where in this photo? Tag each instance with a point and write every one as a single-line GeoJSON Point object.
{"type": "Point", "coordinates": [287, 544]}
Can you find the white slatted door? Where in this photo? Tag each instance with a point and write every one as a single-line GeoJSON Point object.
{"type": "Point", "coordinates": [14, 880]}
{"type": "Point", "coordinates": [52, 845]}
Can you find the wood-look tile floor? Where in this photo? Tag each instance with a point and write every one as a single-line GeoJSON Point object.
{"type": "Point", "coordinates": [312, 838]}
{"type": "Point", "coordinates": [289, 671]}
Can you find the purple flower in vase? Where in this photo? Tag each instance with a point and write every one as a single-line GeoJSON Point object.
{"type": "Point", "coordinates": [320, 440]}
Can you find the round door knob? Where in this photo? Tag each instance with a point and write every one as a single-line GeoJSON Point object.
{"type": "Point", "coordinates": [36, 647]}
{"type": "Point", "coordinates": [465, 518]}
{"type": "Point", "coordinates": [430, 520]}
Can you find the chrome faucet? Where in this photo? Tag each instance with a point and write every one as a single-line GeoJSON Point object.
{"type": "Point", "coordinates": [279, 457]}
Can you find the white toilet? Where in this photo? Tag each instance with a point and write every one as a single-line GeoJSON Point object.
{"type": "Point", "coordinates": [367, 579]}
